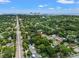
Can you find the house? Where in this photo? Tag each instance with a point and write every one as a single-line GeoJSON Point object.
{"type": "Point", "coordinates": [56, 39]}
{"type": "Point", "coordinates": [76, 49]}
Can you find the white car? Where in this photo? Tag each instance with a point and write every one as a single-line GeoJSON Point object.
{"type": "Point", "coordinates": [33, 56]}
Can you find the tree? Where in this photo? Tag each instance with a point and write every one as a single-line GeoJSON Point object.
{"type": "Point", "coordinates": [65, 51]}
{"type": "Point", "coordinates": [51, 51]}
{"type": "Point", "coordinates": [25, 46]}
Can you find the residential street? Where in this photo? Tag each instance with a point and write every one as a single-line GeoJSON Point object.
{"type": "Point", "coordinates": [33, 50]}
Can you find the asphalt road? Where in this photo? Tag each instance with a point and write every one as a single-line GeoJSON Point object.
{"type": "Point", "coordinates": [19, 48]}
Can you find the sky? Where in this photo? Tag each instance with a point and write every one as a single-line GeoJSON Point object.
{"type": "Point", "coordinates": [40, 6]}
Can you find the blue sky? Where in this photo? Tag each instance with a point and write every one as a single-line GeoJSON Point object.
{"type": "Point", "coordinates": [42, 6]}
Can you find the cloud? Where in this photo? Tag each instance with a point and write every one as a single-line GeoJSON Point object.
{"type": "Point", "coordinates": [63, 11]}
{"type": "Point", "coordinates": [41, 6]}
{"type": "Point", "coordinates": [5, 1]}
{"type": "Point", "coordinates": [66, 1]}
{"type": "Point", "coordinates": [51, 8]}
